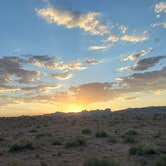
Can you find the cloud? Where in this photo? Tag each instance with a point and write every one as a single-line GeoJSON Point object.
{"type": "Point", "coordinates": [92, 61]}
{"type": "Point", "coordinates": [161, 24]}
{"type": "Point", "coordinates": [113, 38]}
{"type": "Point", "coordinates": [160, 7]}
{"type": "Point", "coordinates": [123, 29]}
{"type": "Point", "coordinates": [144, 64]}
{"type": "Point", "coordinates": [89, 22]}
{"type": "Point", "coordinates": [147, 63]}
{"type": "Point", "coordinates": [128, 38]}
{"type": "Point", "coordinates": [12, 67]}
{"type": "Point", "coordinates": [62, 76]}
{"type": "Point", "coordinates": [138, 82]}
{"type": "Point", "coordinates": [124, 68]}
{"type": "Point", "coordinates": [54, 63]}
{"type": "Point", "coordinates": [5, 88]}
{"type": "Point", "coordinates": [135, 38]}
{"type": "Point", "coordinates": [136, 55]}
{"type": "Point", "coordinates": [98, 47]}
{"type": "Point", "coordinates": [42, 88]}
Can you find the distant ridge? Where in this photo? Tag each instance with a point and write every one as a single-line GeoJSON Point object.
{"type": "Point", "coordinates": [151, 109]}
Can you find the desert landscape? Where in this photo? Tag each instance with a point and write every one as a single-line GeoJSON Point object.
{"type": "Point", "coordinates": [132, 137]}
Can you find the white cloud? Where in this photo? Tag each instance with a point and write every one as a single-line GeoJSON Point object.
{"type": "Point", "coordinates": [135, 38]}
{"type": "Point", "coordinates": [113, 38]}
{"type": "Point", "coordinates": [98, 47]}
{"type": "Point", "coordinates": [161, 24]}
{"type": "Point", "coordinates": [160, 7]}
{"type": "Point", "coordinates": [136, 55]}
{"type": "Point", "coordinates": [124, 68]}
{"type": "Point", "coordinates": [123, 29]}
{"type": "Point", "coordinates": [89, 22]}
{"type": "Point", "coordinates": [62, 76]}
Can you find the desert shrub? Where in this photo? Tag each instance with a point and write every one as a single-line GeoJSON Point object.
{"type": "Point", "coordinates": [102, 162]}
{"type": "Point", "coordinates": [101, 134]}
{"type": "Point", "coordinates": [18, 148]}
{"type": "Point", "coordinates": [33, 131]}
{"type": "Point", "coordinates": [129, 139]}
{"type": "Point", "coordinates": [40, 135]}
{"type": "Point", "coordinates": [162, 150]}
{"type": "Point", "coordinates": [86, 131]}
{"type": "Point", "coordinates": [76, 142]}
{"type": "Point", "coordinates": [2, 139]}
{"type": "Point", "coordinates": [141, 150]}
{"type": "Point", "coordinates": [162, 161]}
{"type": "Point", "coordinates": [56, 142]}
{"type": "Point", "coordinates": [131, 132]}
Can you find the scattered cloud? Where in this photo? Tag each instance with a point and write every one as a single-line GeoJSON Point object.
{"type": "Point", "coordinates": [113, 38]}
{"type": "Point", "coordinates": [55, 63]}
{"type": "Point", "coordinates": [123, 29]}
{"type": "Point", "coordinates": [126, 68]}
{"type": "Point", "coordinates": [143, 64]}
{"type": "Point", "coordinates": [147, 63]}
{"type": "Point", "coordinates": [89, 22]}
{"type": "Point", "coordinates": [161, 24]}
{"type": "Point", "coordinates": [11, 69]}
{"type": "Point", "coordinates": [160, 7]}
{"type": "Point", "coordinates": [139, 82]}
{"type": "Point", "coordinates": [136, 55]}
{"type": "Point", "coordinates": [92, 61]}
{"type": "Point", "coordinates": [135, 38]}
{"type": "Point", "coordinates": [98, 47]}
{"type": "Point", "coordinates": [62, 76]}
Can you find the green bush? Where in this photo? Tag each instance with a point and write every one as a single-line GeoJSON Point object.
{"type": "Point", "coordinates": [103, 162]}
{"type": "Point", "coordinates": [101, 134]}
{"type": "Point", "coordinates": [56, 142]}
{"type": "Point", "coordinates": [18, 148]}
{"type": "Point", "coordinates": [162, 161]}
{"type": "Point", "coordinates": [76, 142]}
{"type": "Point", "coordinates": [131, 132]}
{"type": "Point", "coordinates": [86, 131]}
{"type": "Point", "coordinates": [141, 150]}
{"type": "Point", "coordinates": [129, 139]}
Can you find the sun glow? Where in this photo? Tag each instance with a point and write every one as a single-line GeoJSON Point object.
{"type": "Point", "coordinates": [75, 108]}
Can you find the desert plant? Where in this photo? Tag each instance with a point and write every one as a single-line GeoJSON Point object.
{"type": "Point", "coordinates": [131, 132]}
{"type": "Point", "coordinates": [102, 162]}
{"type": "Point", "coordinates": [56, 142]}
{"type": "Point", "coordinates": [101, 134]}
{"type": "Point", "coordinates": [141, 150]}
{"type": "Point", "coordinates": [18, 148]}
{"type": "Point", "coordinates": [86, 131]}
{"type": "Point", "coordinates": [76, 142]}
{"type": "Point", "coordinates": [162, 161]}
{"type": "Point", "coordinates": [129, 139]}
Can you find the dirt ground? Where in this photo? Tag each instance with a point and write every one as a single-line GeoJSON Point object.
{"type": "Point", "coordinates": [70, 140]}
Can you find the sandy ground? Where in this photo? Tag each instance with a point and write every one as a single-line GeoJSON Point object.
{"type": "Point", "coordinates": [49, 138]}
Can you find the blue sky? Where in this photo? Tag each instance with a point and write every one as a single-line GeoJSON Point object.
{"type": "Point", "coordinates": [109, 32]}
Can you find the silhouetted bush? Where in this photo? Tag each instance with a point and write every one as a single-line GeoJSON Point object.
{"type": "Point", "coordinates": [56, 142]}
{"type": "Point", "coordinates": [131, 132]}
{"type": "Point", "coordinates": [129, 139]}
{"type": "Point", "coordinates": [162, 161]}
{"type": "Point", "coordinates": [86, 131]}
{"type": "Point", "coordinates": [141, 150]}
{"type": "Point", "coordinates": [18, 148]}
{"type": "Point", "coordinates": [103, 162]}
{"type": "Point", "coordinates": [76, 142]}
{"type": "Point", "coordinates": [101, 134]}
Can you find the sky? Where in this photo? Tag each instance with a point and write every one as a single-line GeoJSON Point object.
{"type": "Point", "coordinates": [68, 56]}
